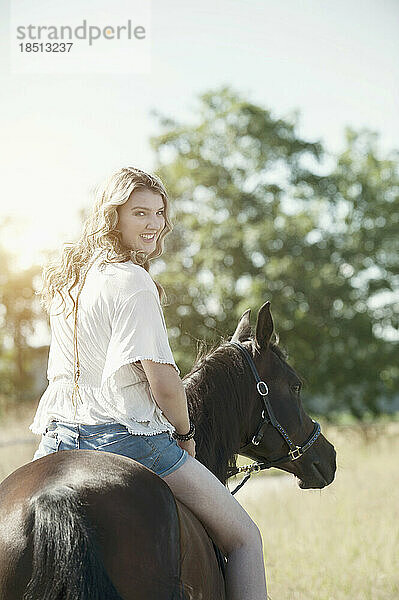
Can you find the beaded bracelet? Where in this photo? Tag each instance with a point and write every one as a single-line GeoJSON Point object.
{"type": "Point", "coordinates": [186, 436]}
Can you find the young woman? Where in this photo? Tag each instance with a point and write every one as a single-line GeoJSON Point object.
{"type": "Point", "coordinates": [113, 383]}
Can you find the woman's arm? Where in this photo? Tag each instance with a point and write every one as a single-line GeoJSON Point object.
{"type": "Point", "coordinates": [168, 391]}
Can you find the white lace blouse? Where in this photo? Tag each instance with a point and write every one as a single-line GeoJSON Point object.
{"type": "Point", "coordinates": [120, 321]}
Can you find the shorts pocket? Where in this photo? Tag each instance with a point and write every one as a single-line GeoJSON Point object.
{"type": "Point", "coordinates": [50, 442]}
{"type": "Point", "coordinates": [134, 446]}
{"type": "Point", "coordinates": [108, 429]}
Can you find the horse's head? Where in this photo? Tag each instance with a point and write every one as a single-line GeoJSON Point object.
{"type": "Point", "coordinates": [281, 405]}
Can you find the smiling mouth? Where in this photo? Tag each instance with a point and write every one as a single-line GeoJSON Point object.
{"type": "Point", "coordinates": [148, 237]}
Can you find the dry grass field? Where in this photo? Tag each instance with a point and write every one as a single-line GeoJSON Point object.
{"type": "Point", "coordinates": [341, 543]}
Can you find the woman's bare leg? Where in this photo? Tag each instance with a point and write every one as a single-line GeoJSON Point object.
{"type": "Point", "coordinates": [229, 525]}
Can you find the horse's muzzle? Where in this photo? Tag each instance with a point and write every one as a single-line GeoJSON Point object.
{"type": "Point", "coordinates": [319, 473]}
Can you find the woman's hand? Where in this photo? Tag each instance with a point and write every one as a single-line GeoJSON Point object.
{"type": "Point", "coordinates": [189, 445]}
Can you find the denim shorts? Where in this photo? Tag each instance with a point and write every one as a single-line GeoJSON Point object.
{"type": "Point", "coordinates": [160, 452]}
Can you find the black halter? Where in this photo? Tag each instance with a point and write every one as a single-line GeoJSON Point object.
{"type": "Point", "coordinates": [268, 417]}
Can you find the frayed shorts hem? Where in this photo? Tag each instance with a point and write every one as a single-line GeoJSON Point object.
{"type": "Point", "coordinates": [176, 466]}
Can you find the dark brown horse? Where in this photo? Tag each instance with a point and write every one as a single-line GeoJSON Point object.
{"type": "Point", "coordinates": [84, 525]}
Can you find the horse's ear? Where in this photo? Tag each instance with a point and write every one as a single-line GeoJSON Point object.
{"type": "Point", "coordinates": [264, 326]}
{"type": "Point", "coordinates": [243, 329]}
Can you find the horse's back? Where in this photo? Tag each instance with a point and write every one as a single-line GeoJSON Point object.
{"type": "Point", "coordinates": [146, 540]}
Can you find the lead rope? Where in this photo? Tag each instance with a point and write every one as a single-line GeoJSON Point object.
{"type": "Point", "coordinates": [76, 365]}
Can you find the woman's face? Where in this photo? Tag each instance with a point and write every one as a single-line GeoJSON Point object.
{"type": "Point", "coordinates": [141, 220]}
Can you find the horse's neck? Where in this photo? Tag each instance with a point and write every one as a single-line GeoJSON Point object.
{"type": "Point", "coordinates": [218, 427]}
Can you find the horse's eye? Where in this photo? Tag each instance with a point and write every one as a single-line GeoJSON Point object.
{"type": "Point", "coordinates": [296, 388]}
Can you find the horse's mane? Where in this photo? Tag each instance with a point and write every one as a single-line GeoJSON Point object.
{"type": "Point", "coordinates": [219, 395]}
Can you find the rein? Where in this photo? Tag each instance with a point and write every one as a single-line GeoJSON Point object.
{"type": "Point", "coordinates": [268, 418]}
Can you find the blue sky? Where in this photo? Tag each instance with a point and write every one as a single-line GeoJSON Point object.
{"type": "Point", "coordinates": [335, 62]}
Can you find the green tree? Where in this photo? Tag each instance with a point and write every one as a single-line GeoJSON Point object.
{"type": "Point", "coordinates": [19, 312]}
{"type": "Point", "coordinates": [254, 221]}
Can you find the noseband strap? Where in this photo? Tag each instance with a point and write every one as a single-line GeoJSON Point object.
{"type": "Point", "coordinates": [269, 418]}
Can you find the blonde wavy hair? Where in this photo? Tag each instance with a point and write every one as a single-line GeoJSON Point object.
{"type": "Point", "coordinates": [100, 232]}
